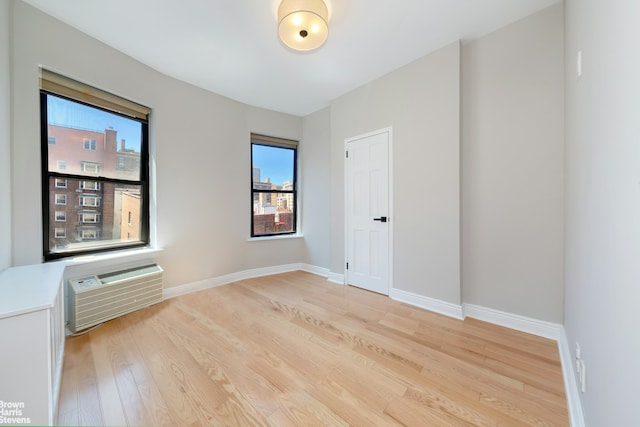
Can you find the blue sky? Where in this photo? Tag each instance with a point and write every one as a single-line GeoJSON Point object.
{"type": "Point", "coordinates": [71, 114]}
{"type": "Point", "coordinates": [274, 163]}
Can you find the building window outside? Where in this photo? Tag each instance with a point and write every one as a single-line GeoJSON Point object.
{"type": "Point", "coordinates": [89, 217]}
{"type": "Point", "coordinates": [92, 168]}
{"type": "Point", "coordinates": [89, 234]}
{"type": "Point", "coordinates": [90, 134]}
{"type": "Point", "coordinates": [273, 186]}
{"type": "Point", "coordinates": [51, 140]}
{"type": "Point", "coordinates": [89, 185]}
{"type": "Point", "coordinates": [92, 201]}
{"type": "Point", "coordinates": [90, 144]}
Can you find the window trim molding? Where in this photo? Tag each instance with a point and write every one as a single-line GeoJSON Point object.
{"type": "Point", "coordinates": [113, 104]}
{"type": "Point", "coordinates": [270, 141]}
{"type": "Point", "coordinates": [85, 94]}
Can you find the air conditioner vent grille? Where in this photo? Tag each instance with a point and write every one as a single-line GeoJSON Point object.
{"type": "Point", "coordinates": [96, 299]}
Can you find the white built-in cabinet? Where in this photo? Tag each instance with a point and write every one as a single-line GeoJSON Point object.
{"type": "Point", "coordinates": [32, 334]}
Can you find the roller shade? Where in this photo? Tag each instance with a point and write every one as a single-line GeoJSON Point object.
{"type": "Point", "coordinates": [60, 85]}
{"type": "Point", "coordinates": [276, 142]}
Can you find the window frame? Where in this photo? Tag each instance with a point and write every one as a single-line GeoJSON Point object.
{"type": "Point", "coordinates": [82, 185]}
{"type": "Point", "coordinates": [83, 215]}
{"type": "Point", "coordinates": [60, 202]}
{"type": "Point", "coordinates": [269, 141]}
{"type": "Point", "coordinates": [90, 144]}
{"type": "Point", "coordinates": [85, 197]}
{"type": "Point", "coordinates": [79, 93]}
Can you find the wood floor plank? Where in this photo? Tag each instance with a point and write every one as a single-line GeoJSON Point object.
{"type": "Point", "coordinates": [296, 350]}
{"type": "Point", "coordinates": [68, 407]}
{"type": "Point", "coordinates": [89, 406]}
{"type": "Point", "coordinates": [110, 401]}
{"type": "Point", "coordinates": [157, 411]}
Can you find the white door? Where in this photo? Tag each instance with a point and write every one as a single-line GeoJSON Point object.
{"type": "Point", "coordinates": [368, 212]}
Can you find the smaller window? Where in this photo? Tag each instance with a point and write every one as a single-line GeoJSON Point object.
{"type": "Point", "coordinates": [120, 164]}
{"type": "Point", "coordinates": [62, 165]}
{"type": "Point", "coordinates": [51, 140]}
{"type": "Point", "coordinates": [61, 183]}
{"type": "Point", "coordinates": [60, 233]}
{"type": "Point", "coordinates": [89, 185]}
{"type": "Point", "coordinates": [61, 216]}
{"type": "Point", "coordinates": [273, 186]}
{"type": "Point", "coordinates": [89, 217]}
{"type": "Point", "coordinates": [90, 144]}
{"type": "Point", "coordinates": [89, 201]}
{"type": "Point", "coordinates": [89, 167]}
{"type": "Point", "coordinates": [61, 199]}
{"type": "Point", "coordinates": [91, 234]}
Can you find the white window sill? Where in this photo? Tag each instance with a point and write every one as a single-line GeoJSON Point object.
{"type": "Point", "coordinates": [107, 261]}
{"type": "Point", "coordinates": [283, 237]}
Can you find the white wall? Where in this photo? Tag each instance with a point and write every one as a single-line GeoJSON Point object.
{"type": "Point", "coordinates": [200, 144]}
{"type": "Point", "coordinates": [512, 168]}
{"type": "Point", "coordinates": [421, 101]}
{"type": "Point", "coordinates": [5, 135]}
{"type": "Point", "coordinates": [316, 186]}
{"type": "Point", "coordinates": [602, 215]}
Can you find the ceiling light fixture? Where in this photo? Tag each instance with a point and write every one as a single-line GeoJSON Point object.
{"type": "Point", "coordinates": [303, 24]}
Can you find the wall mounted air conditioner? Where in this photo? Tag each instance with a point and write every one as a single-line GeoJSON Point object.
{"type": "Point", "coordinates": [96, 299]}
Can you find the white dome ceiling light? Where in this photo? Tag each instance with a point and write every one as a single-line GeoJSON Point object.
{"type": "Point", "coordinates": [303, 24]}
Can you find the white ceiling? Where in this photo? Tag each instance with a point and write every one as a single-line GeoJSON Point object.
{"type": "Point", "coordinates": [231, 47]}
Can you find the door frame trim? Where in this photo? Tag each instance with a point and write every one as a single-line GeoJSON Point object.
{"type": "Point", "coordinates": [389, 131]}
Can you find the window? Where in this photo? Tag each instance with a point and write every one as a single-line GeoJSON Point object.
{"type": "Point", "coordinates": [90, 144]}
{"type": "Point", "coordinates": [273, 186]}
{"type": "Point", "coordinates": [91, 217]}
{"type": "Point", "coordinates": [90, 201]}
{"type": "Point", "coordinates": [89, 126]}
{"type": "Point", "coordinates": [89, 185]}
{"type": "Point", "coordinates": [91, 234]}
{"type": "Point", "coordinates": [90, 167]}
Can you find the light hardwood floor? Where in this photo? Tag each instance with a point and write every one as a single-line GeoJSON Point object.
{"type": "Point", "coordinates": [295, 350]}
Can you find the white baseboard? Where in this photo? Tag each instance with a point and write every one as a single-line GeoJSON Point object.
{"type": "Point", "coordinates": [336, 278]}
{"type": "Point", "coordinates": [213, 282]}
{"type": "Point", "coordinates": [318, 271]}
{"type": "Point", "coordinates": [576, 417]}
{"type": "Point", "coordinates": [431, 304]}
{"type": "Point", "coordinates": [513, 321]}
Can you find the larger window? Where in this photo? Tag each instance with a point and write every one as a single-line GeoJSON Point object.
{"type": "Point", "coordinates": [273, 186]}
{"type": "Point", "coordinates": [91, 129]}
